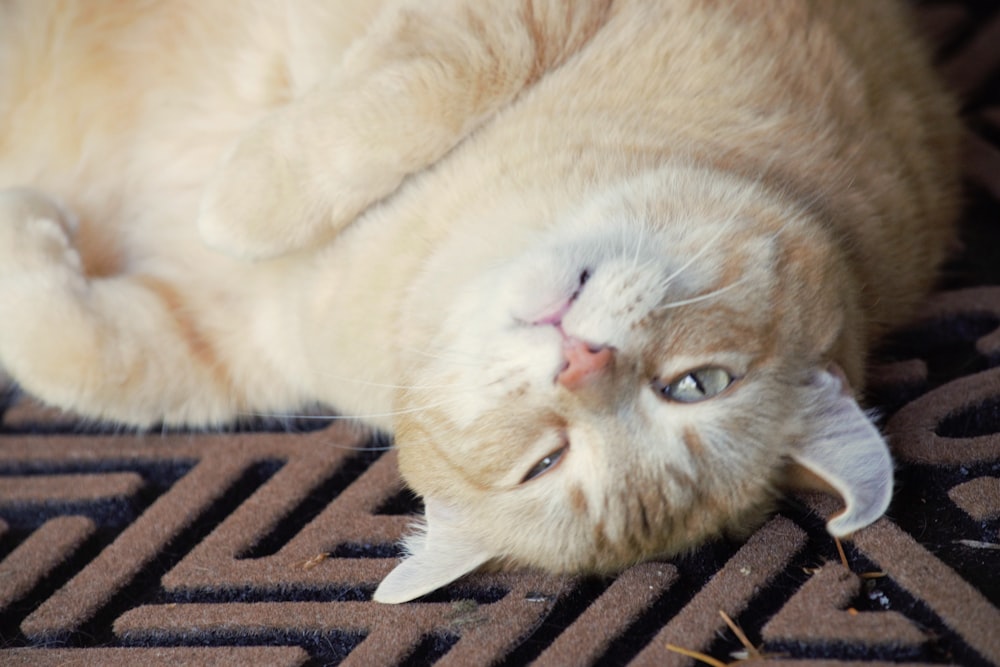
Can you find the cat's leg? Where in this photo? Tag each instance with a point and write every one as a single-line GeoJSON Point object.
{"type": "Point", "coordinates": [108, 348]}
{"type": "Point", "coordinates": [423, 78]}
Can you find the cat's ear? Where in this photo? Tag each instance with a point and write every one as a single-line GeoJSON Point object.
{"type": "Point", "coordinates": [846, 452]}
{"type": "Point", "coordinates": [438, 556]}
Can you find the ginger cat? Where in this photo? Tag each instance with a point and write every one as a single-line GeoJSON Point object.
{"type": "Point", "coordinates": [607, 269]}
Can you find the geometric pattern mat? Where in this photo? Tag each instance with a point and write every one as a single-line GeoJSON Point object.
{"type": "Point", "coordinates": [262, 545]}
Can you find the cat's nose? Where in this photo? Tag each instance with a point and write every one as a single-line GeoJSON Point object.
{"type": "Point", "coordinates": [583, 362]}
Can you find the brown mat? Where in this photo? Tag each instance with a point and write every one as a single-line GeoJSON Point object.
{"type": "Point", "coordinates": [264, 546]}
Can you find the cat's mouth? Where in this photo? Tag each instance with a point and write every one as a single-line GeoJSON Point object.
{"type": "Point", "coordinates": [555, 316]}
{"type": "Point", "coordinates": [581, 359]}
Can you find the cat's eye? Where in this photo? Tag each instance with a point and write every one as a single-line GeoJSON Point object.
{"type": "Point", "coordinates": [545, 464]}
{"type": "Point", "coordinates": [696, 385]}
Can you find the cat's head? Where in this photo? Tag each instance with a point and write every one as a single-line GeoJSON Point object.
{"type": "Point", "coordinates": [639, 381]}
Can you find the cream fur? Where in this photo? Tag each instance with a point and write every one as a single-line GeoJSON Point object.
{"type": "Point", "coordinates": [369, 206]}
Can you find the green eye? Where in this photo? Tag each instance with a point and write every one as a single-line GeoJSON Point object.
{"type": "Point", "coordinates": [696, 385]}
{"type": "Point", "coordinates": [547, 463]}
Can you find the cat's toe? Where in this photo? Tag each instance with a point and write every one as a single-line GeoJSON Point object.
{"type": "Point", "coordinates": [35, 231]}
{"type": "Point", "coordinates": [18, 204]}
{"type": "Point", "coordinates": [257, 205]}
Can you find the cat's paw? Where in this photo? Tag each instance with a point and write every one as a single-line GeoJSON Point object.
{"type": "Point", "coordinates": [300, 176]}
{"type": "Point", "coordinates": [258, 204]}
{"type": "Point", "coordinates": [35, 233]}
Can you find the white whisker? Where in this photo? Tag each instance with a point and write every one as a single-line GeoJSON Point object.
{"type": "Point", "coordinates": [640, 241]}
{"type": "Point", "coordinates": [295, 417]}
{"type": "Point", "coordinates": [387, 448]}
{"type": "Point", "coordinates": [701, 297]}
{"type": "Point", "coordinates": [452, 357]}
{"type": "Point", "coordinates": [701, 251]}
{"type": "Point", "coordinates": [357, 417]}
{"type": "Point", "coordinates": [384, 385]}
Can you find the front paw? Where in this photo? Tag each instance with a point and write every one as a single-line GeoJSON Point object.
{"type": "Point", "coordinates": [261, 203]}
{"type": "Point", "coordinates": [35, 233]}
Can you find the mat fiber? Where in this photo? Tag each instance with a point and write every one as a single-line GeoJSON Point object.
{"type": "Point", "coordinates": [263, 546]}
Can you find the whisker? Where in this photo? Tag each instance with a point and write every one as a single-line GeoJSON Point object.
{"type": "Point", "coordinates": [387, 448]}
{"type": "Point", "coordinates": [383, 385]}
{"type": "Point", "coordinates": [701, 251]}
{"type": "Point", "coordinates": [451, 358]}
{"type": "Point", "coordinates": [640, 241]}
{"type": "Point", "coordinates": [295, 417]}
{"type": "Point", "coordinates": [701, 297]}
{"type": "Point", "coordinates": [357, 417]}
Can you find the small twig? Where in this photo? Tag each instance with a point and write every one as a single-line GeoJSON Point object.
{"type": "Point", "coordinates": [751, 649]}
{"type": "Point", "coordinates": [314, 561]}
{"type": "Point", "coordinates": [700, 657]}
{"type": "Point", "coordinates": [840, 550]}
{"type": "Point", "coordinates": [843, 559]}
{"type": "Point", "coordinates": [872, 575]}
{"type": "Point", "coordinates": [978, 544]}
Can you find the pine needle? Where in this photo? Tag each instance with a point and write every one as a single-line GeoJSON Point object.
{"type": "Point", "coordinates": [840, 550]}
{"type": "Point", "coordinates": [700, 657]}
{"type": "Point", "coordinates": [740, 635]}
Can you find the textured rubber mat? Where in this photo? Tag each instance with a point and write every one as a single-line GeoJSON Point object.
{"type": "Point", "coordinates": [263, 546]}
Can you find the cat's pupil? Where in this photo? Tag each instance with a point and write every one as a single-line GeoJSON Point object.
{"type": "Point", "coordinates": [695, 385]}
{"type": "Point", "coordinates": [544, 465]}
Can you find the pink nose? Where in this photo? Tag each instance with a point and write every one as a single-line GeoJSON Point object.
{"type": "Point", "coordinates": [582, 362]}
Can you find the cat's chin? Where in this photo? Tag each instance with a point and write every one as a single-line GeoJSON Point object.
{"type": "Point", "coordinates": [454, 541]}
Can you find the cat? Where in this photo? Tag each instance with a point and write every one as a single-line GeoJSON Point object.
{"type": "Point", "coordinates": [608, 270]}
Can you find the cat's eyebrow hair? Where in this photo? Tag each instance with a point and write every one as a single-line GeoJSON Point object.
{"type": "Point", "coordinates": [724, 227]}
{"type": "Point", "coordinates": [703, 297]}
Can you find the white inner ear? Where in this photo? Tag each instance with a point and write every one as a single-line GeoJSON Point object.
{"type": "Point", "coordinates": [846, 450]}
{"type": "Point", "coordinates": [438, 556]}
